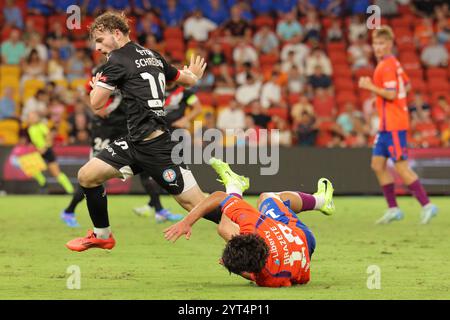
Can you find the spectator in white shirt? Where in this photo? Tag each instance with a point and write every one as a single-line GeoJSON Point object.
{"type": "Point", "coordinates": [300, 52]}
{"type": "Point", "coordinates": [318, 57]}
{"type": "Point", "coordinates": [434, 54]}
{"type": "Point", "coordinates": [334, 32]}
{"type": "Point", "coordinates": [38, 104]}
{"type": "Point", "coordinates": [270, 93]}
{"type": "Point", "coordinates": [359, 53]}
{"type": "Point", "coordinates": [244, 52]}
{"type": "Point", "coordinates": [35, 43]}
{"type": "Point", "coordinates": [231, 117]}
{"type": "Point", "coordinates": [249, 91]}
{"type": "Point", "coordinates": [198, 27]}
{"type": "Point", "coordinates": [356, 28]}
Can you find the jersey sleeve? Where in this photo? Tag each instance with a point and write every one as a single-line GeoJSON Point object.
{"type": "Point", "coordinates": [240, 212]}
{"type": "Point", "coordinates": [389, 77]}
{"type": "Point", "coordinates": [113, 72]}
{"type": "Point", "coordinates": [170, 72]}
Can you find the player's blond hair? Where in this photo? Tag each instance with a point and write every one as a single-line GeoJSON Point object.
{"type": "Point", "coordinates": [110, 21]}
{"type": "Point", "coordinates": [385, 32]}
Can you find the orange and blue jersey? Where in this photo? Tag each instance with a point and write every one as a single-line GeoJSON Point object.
{"type": "Point", "coordinates": [393, 114]}
{"type": "Point", "coordinates": [289, 248]}
{"type": "Point", "coordinates": [391, 140]}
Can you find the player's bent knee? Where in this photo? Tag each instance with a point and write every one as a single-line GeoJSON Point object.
{"type": "Point", "coordinates": [87, 179]}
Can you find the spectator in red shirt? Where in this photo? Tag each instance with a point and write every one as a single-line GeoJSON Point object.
{"type": "Point", "coordinates": [323, 104]}
{"type": "Point", "coordinates": [441, 111]}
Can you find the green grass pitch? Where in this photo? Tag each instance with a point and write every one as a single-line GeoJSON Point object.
{"type": "Point", "coordinates": [413, 259]}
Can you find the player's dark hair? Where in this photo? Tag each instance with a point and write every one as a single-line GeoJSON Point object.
{"type": "Point", "coordinates": [110, 21]}
{"type": "Point", "coordinates": [245, 253]}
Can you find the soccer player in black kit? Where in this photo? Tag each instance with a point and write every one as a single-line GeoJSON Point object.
{"type": "Point", "coordinates": [109, 124]}
{"type": "Point", "coordinates": [141, 75]}
{"type": "Point", "coordinates": [177, 100]}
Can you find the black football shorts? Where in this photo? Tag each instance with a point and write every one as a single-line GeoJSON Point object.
{"type": "Point", "coordinates": [153, 157]}
{"type": "Point", "coordinates": [49, 156]}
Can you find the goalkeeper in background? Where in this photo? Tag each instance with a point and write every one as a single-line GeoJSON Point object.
{"type": "Point", "coordinates": [41, 139]}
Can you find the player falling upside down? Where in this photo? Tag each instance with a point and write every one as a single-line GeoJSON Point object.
{"type": "Point", "coordinates": [141, 75]}
{"type": "Point", "coordinates": [269, 246]}
{"type": "Point", "coordinates": [390, 84]}
{"type": "Point", "coordinates": [41, 138]}
{"type": "Point", "coordinates": [178, 100]}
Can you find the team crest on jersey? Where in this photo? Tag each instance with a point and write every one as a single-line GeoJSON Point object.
{"type": "Point", "coordinates": [169, 175]}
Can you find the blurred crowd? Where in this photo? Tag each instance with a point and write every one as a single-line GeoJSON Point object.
{"type": "Point", "coordinates": [286, 64]}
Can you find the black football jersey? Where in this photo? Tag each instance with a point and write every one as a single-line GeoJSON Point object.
{"type": "Point", "coordinates": [105, 130]}
{"type": "Point", "coordinates": [141, 76]}
{"type": "Point", "coordinates": [177, 100]}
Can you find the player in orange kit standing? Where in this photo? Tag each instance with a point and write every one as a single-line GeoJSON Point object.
{"type": "Point", "coordinates": [390, 84]}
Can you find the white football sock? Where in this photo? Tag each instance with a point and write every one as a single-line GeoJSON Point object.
{"type": "Point", "coordinates": [232, 188]}
{"type": "Point", "coordinates": [102, 233]}
{"type": "Point", "coordinates": [320, 201]}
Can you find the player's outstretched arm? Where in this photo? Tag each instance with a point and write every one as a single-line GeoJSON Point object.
{"type": "Point", "coordinates": [184, 226]}
{"type": "Point", "coordinates": [190, 75]}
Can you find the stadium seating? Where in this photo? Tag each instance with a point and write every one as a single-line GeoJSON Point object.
{"type": "Point", "coordinates": [9, 132]}
{"type": "Point", "coordinates": [30, 87]}
{"type": "Point", "coordinates": [431, 82]}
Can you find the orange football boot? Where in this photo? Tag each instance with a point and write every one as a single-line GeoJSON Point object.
{"type": "Point", "coordinates": [91, 241]}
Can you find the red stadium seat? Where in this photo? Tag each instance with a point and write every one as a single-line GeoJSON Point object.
{"type": "Point", "coordinates": [206, 98]}
{"type": "Point", "coordinates": [433, 73]}
{"type": "Point", "coordinates": [326, 125]}
{"type": "Point", "coordinates": [323, 139]}
{"type": "Point", "coordinates": [405, 10]}
{"type": "Point", "coordinates": [173, 33]}
{"type": "Point", "coordinates": [402, 21]}
{"type": "Point", "coordinates": [228, 51]}
{"type": "Point", "coordinates": [263, 20]}
{"type": "Point", "coordinates": [436, 94]}
{"type": "Point", "coordinates": [80, 44]}
{"type": "Point", "coordinates": [417, 84]}
{"type": "Point", "coordinates": [407, 46]}
{"type": "Point", "coordinates": [336, 46]}
{"type": "Point", "coordinates": [217, 33]}
{"type": "Point", "coordinates": [57, 19]}
{"type": "Point", "coordinates": [344, 84]}
{"type": "Point", "coordinates": [346, 96]}
{"type": "Point", "coordinates": [342, 71]}
{"type": "Point", "coordinates": [364, 95]}
{"type": "Point", "coordinates": [268, 59]}
{"type": "Point", "coordinates": [339, 58]}
{"type": "Point", "coordinates": [39, 23]}
{"type": "Point", "coordinates": [410, 60]}
{"type": "Point", "coordinates": [293, 98]}
{"type": "Point", "coordinates": [280, 112]}
{"type": "Point", "coordinates": [174, 46]}
{"type": "Point", "coordinates": [435, 85]}
{"type": "Point", "coordinates": [415, 73]}
{"type": "Point", "coordinates": [363, 72]}
{"type": "Point", "coordinates": [224, 99]}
